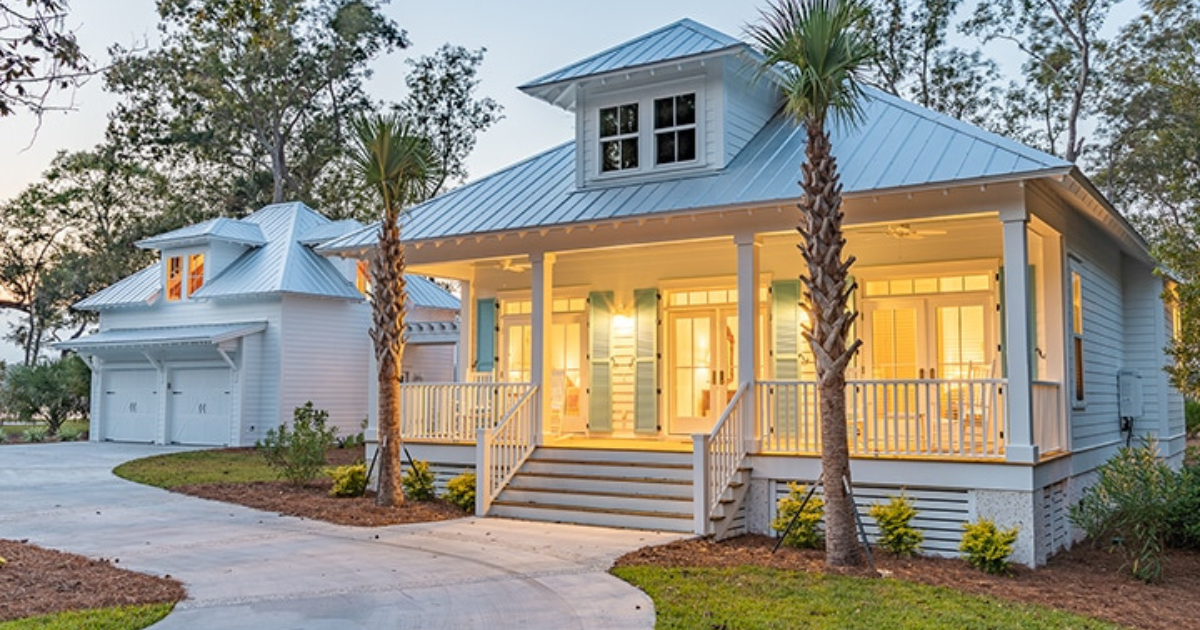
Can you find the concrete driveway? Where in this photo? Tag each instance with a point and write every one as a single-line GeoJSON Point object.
{"type": "Point", "coordinates": [257, 570]}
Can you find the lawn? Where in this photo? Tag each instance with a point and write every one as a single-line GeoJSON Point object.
{"type": "Point", "coordinates": [12, 429]}
{"type": "Point", "coordinates": [198, 467]}
{"type": "Point", "coordinates": [749, 597]}
{"type": "Point", "coordinates": [119, 618]}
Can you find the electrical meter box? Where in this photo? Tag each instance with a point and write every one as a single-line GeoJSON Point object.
{"type": "Point", "coordinates": [1129, 393]}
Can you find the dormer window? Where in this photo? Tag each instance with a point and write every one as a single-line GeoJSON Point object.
{"type": "Point", "coordinates": [675, 129]}
{"type": "Point", "coordinates": [619, 138]}
{"type": "Point", "coordinates": [362, 277]}
{"type": "Point", "coordinates": [174, 278]}
{"type": "Point", "coordinates": [195, 273]}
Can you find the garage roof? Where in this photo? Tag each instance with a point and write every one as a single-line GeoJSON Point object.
{"type": "Point", "coordinates": [207, 334]}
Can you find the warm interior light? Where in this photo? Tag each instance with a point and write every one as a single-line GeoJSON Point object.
{"type": "Point", "coordinates": [622, 324]}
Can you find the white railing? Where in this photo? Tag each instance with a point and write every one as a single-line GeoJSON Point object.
{"type": "Point", "coordinates": [961, 418]}
{"type": "Point", "coordinates": [454, 412]}
{"type": "Point", "coordinates": [501, 450]}
{"type": "Point", "coordinates": [1049, 423]}
{"type": "Point", "coordinates": [718, 456]}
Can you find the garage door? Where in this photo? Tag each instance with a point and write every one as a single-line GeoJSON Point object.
{"type": "Point", "coordinates": [129, 407]}
{"type": "Point", "coordinates": [198, 407]}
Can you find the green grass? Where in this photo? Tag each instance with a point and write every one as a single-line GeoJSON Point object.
{"type": "Point", "coordinates": [12, 427]}
{"type": "Point", "coordinates": [119, 618]}
{"type": "Point", "coordinates": [750, 597]}
{"type": "Point", "coordinates": [177, 469]}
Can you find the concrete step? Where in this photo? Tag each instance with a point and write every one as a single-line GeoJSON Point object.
{"type": "Point", "coordinates": [641, 486]}
{"type": "Point", "coordinates": [675, 506]}
{"type": "Point", "coordinates": [628, 519]}
{"type": "Point", "coordinates": [613, 455]}
{"type": "Point", "coordinates": [621, 469]}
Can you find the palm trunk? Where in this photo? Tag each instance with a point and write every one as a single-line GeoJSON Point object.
{"type": "Point", "coordinates": [387, 332]}
{"type": "Point", "coordinates": [828, 293]}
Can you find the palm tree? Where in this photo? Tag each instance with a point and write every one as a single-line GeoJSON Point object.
{"type": "Point", "coordinates": [400, 165]}
{"type": "Point", "coordinates": [819, 49]}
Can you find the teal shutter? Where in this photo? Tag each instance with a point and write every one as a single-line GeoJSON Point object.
{"type": "Point", "coordinates": [645, 393]}
{"type": "Point", "coordinates": [599, 359]}
{"type": "Point", "coordinates": [785, 347]}
{"type": "Point", "coordinates": [485, 335]}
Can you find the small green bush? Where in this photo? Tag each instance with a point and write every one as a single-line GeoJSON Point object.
{"type": "Point", "coordinates": [1191, 415]}
{"type": "Point", "coordinates": [71, 434]}
{"type": "Point", "coordinates": [34, 435]}
{"type": "Point", "coordinates": [1185, 508]}
{"type": "Point", "coordinates": [897, 535]}
{"type": "Point", "coordinates": [349, 480]}
{"type": "Point", "coordinates": [988, 547]}
{"type": "Point", "coordinates": [805, 534]}
{"type": "Point", "coordinates": [1132, 504]}
{"type": "Point", "coordinates": [299, 452]}
{"type": "Point", "coordinates": [418, 482]}
{"type": "Point", "coordinates": [461, 492]}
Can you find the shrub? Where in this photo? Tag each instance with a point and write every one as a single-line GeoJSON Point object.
{"type": "Point", "coordinates": [71, 434]}
{"type": "Point", "coordinates": [805, 534]}
{"type": "Point", "coordinates": [1191, 415]}
{"type": "Point", "coordinates": [349, 480]}
{"type": "Point", "coordinates": [299, 453]}
{"type": "Point", "coordinates": [987, 547]}
{"type": "Point", "coordinates": [34, 435]}
{"type": "Point", "coordinates": [461, 492]}
{"type": "Point", "coordinates": [896, 533]}
{"type": "Point", "coordinates": [418, 482]}
{"type": "Point", "coordinates": [1132, 504]}
{"type": "Point", "coordinates": [1185, 508]}
{"type": "Point", "coordinates": [52, 392]}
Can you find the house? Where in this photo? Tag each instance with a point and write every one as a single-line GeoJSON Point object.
{"type": "Point", "coordinates": [632, 319]}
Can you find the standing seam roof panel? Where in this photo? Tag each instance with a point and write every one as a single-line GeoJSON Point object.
{"type": "Point", "coordinates": [908, 152]}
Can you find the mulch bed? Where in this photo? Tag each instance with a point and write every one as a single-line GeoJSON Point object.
{"type": "Point", "coordinates": [37, 581]}
{"type": "Point", "coordinates": [1085, 580]}
{"type": "Point", "coordinates": [313, 500]}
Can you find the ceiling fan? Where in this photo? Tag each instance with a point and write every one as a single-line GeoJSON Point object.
{"type": "Point", "coordinates": [508, 264]}
{"type": "Point", "coordinates": [904, 231]}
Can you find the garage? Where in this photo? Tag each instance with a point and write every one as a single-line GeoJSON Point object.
{"type": "Point", "coordinates": [198, 406]}
{"type": "Point", "coordinates": [129, 405]}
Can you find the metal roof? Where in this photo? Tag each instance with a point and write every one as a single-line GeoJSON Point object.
{"type": "Point", "coordinates": [681, 39]}
{"type": "Point", "coordinates": [220, 229]}
{"type": "Point", "coordinates": [328, 231]}
{"type": "Point", "coordinates": [898, 145]}
{"type": "Point", "coordinates": [204, 334]}
{"type": "Point", "coordinates": [139, 289]}
{"type": "Point", "coordinates": [283, 264]}
{"type": "Point", "coordinates": [428, 294]}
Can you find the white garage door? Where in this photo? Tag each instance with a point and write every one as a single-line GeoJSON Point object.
{"type": "Point", "coordinates": [198, 407]}
{"type": "Point", "coordinates": [129, 407]}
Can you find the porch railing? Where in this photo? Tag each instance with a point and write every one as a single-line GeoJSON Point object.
{"type": "Point", "coordinates": [904, 418]}
{"type": "Point", "coordinates": [454, 412]}
{"type": "Point", "coordinates": [501, 450]}
{"type": "Point", "coordinates": [1049, 423]}
{"type": "Point", "coordinates": [719, 455]}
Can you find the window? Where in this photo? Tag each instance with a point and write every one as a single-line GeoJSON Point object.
{"type": "Point", "coordinates": [675, 129]}
{"type": "Point", "coordinates": [1077, 336]}
{"type": "Point", "coordinates": [174, 278]}
{"type": "Point", "coordinates": [362, 277]}
{"type": "Point", "coordinates": [195, 273]}
{"type": "Point", "coordinates": [619, 138]}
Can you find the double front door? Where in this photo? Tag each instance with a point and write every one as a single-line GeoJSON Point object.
{"type": "Point", "coordinates": [934, 337]}
{"type": "Point", "coordinates": [566, 385]}
{"type": "Point", "coordinates": [702, 366]}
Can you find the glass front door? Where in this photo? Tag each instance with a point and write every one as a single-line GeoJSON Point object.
{"type": "Point", "coordinates": [567, 389]}
{"type": "Point", "coordinates": [936, 337]}
{"type": "Point", "coordinates": [702, 375]}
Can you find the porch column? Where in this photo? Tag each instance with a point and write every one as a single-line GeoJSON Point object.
{"type": "Point", "coordinates": [541, 279]}
{"type": "Point", "coordinates": [1017, 361]}
{"type": "Point", "coordinates": [748, 246]}
{"type": "Point", "coordinates": [466, 328]}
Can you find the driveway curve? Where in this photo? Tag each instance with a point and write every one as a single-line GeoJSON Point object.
{"type": "Point", "coordinates": [245, 568]}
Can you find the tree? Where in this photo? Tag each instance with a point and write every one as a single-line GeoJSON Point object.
{"type": "Point", "coordinates": [402, 168]}
{"type": "Point", "coordinates": [1060, 39]}
{"type": "Point", "coordinates": [821, 49]}
{"type": "Point", "coordinates": [48, 392]}
{"type": "Point", "coordinates": [38, 55]}
{"type": "Point", "coordinates": [1152, 169]}
{"type": "Point", "coordinates": [253, 94]}
{"type": "Point", "coordinates": [441, 103]}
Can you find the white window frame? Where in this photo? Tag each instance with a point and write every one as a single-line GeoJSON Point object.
{"type": "Point", "coordinates": [675, 128]}
{"type": "Point", "coordinates": [620, 137]}
{"type": "Point", "coordinates": [647, 147]}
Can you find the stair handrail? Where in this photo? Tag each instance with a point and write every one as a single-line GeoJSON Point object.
{"type": "Point", "coordinates": [721, 453]}
{"type": "Point", "coordinates": [501, 450]}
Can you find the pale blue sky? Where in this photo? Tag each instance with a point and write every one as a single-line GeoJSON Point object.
{"type": "Point", "coordinates": [524, 39]}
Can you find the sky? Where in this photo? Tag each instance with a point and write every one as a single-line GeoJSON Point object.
{"type": "Point", "coordinates": [524, 39]}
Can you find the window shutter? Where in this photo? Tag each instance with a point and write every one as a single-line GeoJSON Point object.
{"type": "Point", "coordinates": [785, 310]}
{"type": "Point", "coordinates": [645, 394]}
{"type": "Point", "coordinates": [599, 359]}
{"type": "Point", "coordinates": [485, 335]}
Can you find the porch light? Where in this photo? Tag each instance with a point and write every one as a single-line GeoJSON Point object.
{"type": "Point", "coordinates": [622, 324]}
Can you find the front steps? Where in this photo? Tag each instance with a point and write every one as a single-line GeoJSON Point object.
{"type": "Point", "coordinates": [614, 488]}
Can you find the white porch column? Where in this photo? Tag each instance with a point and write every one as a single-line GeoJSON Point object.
{"type": "Point", "coordinates": [541, 280]}
{"type": "Point", "coordinates": [1018, 363]}
{"type": "Point", "coordinates": [748, 246]}
{"type": "Point", "coordinates": [466, 328]}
